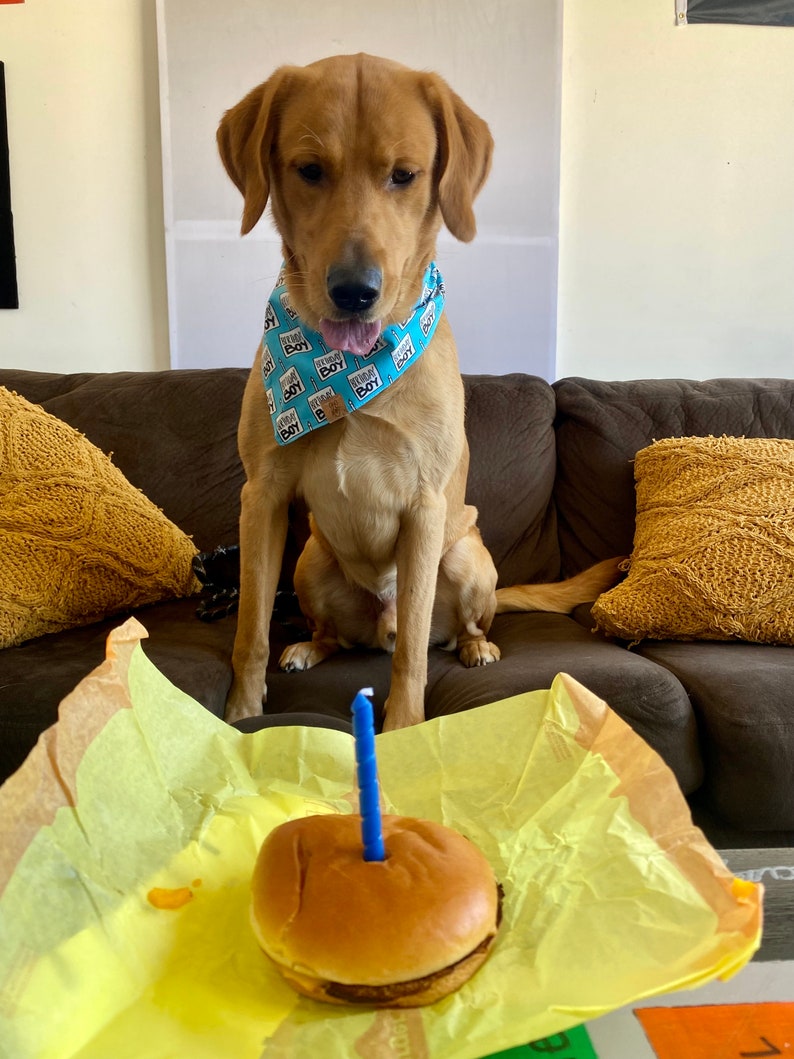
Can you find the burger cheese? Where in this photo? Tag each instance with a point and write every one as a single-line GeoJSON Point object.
{"type": "Point", "coordinates": [401, 932]}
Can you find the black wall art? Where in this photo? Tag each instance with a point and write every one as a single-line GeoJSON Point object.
{"type": "Point", "coordinates": [9, 296]}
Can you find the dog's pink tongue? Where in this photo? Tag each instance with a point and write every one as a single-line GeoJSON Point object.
{"type": "Point", "coordinates": [354, 336]}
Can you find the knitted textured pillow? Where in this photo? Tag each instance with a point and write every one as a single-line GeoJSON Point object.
{"type": "Point", "coordinates": [713, 554]}
{"type": "Point", "coordinates": [77, 542]}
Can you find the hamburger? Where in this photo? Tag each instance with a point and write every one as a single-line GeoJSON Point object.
{"type": "Point", "coordinates": [401, 932]}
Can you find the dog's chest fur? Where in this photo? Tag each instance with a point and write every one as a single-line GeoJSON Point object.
{"type": "Point", "coordinates": [365, 472]}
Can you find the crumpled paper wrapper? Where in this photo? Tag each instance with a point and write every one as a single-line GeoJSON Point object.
{"type": "Point", "coordinates": [611, 894]}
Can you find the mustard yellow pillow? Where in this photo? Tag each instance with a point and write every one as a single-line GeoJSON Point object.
{"type": "Point", "coordinates": [713, 555]}
{"type": "Point", "coordinates": [77, 542]}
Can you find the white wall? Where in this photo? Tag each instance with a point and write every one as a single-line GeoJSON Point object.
{"type": "Point", "coordinates": [677, 196]}
{"type": "Point", "coordinates": [502, 57]}
{"type": "Point", "coordinates": [677, 209]}
{"type": "Point", "coordinates": [86, 186]}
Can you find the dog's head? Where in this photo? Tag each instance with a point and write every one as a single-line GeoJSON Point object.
{"type": "Point", "coordinates": [361, 159]}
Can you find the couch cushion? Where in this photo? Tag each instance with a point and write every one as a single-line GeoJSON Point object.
{"type": "Point", "coordinates": [173, 434]}
{"type": "Point", "coordinates": [510, 428]}
{"type": "Point", "coordinates": [535, 647]}
{"type": "Point", "coordinates": [743, 696]}
{"type": "Point", "coordinates": [602, 425]}
{"type": "Point", "coordinates": [713, 555]}
{"type": "Point", "coordinates": [77, 541]}
{"type": "Point", "coordinates": [194, 655]}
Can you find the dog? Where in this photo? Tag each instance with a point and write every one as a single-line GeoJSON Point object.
{"type": "Point", "coordinates": [361, 160]}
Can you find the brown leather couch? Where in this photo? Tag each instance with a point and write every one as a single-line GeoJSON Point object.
{"type": "Point", "coordinates": [551, 474]}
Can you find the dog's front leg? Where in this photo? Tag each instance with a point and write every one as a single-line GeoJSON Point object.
{"type": "Point", "coordinates": [263, 533]}
{"type": "Point", "coordinates": [418, 554]}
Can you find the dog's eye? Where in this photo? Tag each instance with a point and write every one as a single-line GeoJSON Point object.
{"type": "Point", "coordinates": [311, 173]}
{"type": "Point", "coordinates": [402, 176]}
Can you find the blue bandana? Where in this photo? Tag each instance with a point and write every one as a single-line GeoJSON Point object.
{"type": "Point", "coordinates": [309, 385]}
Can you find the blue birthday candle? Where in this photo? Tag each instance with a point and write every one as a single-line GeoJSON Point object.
{"type": "Point", "coordinates": [367, 770]}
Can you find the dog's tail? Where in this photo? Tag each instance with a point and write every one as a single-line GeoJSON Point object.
{"type": "Point", "coordinates": [562, 596]}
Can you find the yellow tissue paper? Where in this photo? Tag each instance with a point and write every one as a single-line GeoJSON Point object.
{"type": "Point", "coordinates": [139, 799]}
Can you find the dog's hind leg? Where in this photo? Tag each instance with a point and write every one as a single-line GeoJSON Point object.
{"type": "Point", "coordinates": [308, 653]}
{"type": "Point", "coordinates": [339, 613]}
{"type": "Point", "coordinates": [465, 601]}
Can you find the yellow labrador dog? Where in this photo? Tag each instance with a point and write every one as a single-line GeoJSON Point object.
{"type": "Point", "coordinates": [361, 160]}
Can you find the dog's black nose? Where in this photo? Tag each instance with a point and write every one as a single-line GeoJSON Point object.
{"type": "Point", "coordinates": [353, 290]}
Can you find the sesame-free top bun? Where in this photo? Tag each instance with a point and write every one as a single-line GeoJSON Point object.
{"type": "Point", "coordinates": [400, 932]}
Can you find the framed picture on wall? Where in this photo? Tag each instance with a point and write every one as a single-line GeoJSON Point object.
{"type": "Point", "coordinates": [737, 12]}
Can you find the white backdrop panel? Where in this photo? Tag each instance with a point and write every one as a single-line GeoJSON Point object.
{"type": "Point", "coordinates": [503, 57]}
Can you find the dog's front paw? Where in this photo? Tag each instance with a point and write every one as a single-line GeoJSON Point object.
{"type": "Point", "coordinates": [393, 723]}
{"type": "Point", "coordinates": [397, 716]}
{"type": "Point", "coordinates": [239, 706]}
{"type": "Point", "coordinates": [479, 653]}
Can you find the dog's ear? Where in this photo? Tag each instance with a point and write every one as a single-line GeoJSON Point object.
{"type": "Point", "coordinates": [245, 137]}
{"type": "Point", "coordinates": [465, 149]}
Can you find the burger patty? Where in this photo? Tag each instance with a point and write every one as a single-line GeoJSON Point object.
{"type": "Point", "coordinates": [380, 994]}
{"type": "Point", "coordinates": [368, 994]}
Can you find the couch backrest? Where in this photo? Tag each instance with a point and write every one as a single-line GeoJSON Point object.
{"type": "Point", "coordinates": [510, 428]}
{"type": "Point", "coordinates": [172, 433]}
{"type": "Point", "coordinates": [601, 426]}
{"type": "Point", "coordinates": [551, 469]}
